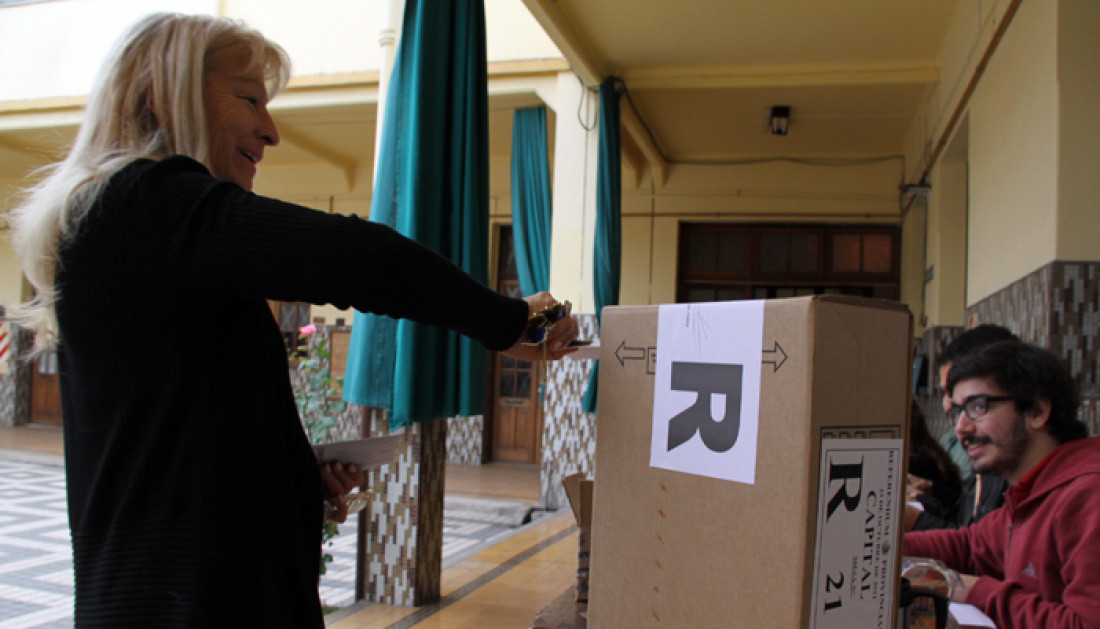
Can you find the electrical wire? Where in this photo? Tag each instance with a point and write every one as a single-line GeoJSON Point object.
{"type": "Point", "coordinates": [585, 96]}
{"type": "Point", "coordinates": [835, 161]}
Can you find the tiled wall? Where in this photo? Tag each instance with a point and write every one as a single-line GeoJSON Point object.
{"type": "Point", "coordinates": [7, 397]}
{"type": "Point", "coordinates": [929, 397]}
{"type": "Point", "coordinates": [465, 439]}
{"type": "Point", "coordinates": [8, 379]}
{"type": "Point", "coordinates": [401, 531]}
{"type": "Point", "coordinates": [568, 433]}
{"type": "Point", "coordinates": [15, 385]}
{"type": "Point", "coordinates": [402, 528]}
{"type": "Point", "coordinates": [1023, 307]}
{"type": "Point", "coordinates": [1058, 307]}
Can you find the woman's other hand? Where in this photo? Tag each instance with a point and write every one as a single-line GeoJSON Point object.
{"type": "Point", "coordinates": [339, 480]}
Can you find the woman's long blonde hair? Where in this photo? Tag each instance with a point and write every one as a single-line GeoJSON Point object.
{"type": "Point", "coordinates": [146, 103]}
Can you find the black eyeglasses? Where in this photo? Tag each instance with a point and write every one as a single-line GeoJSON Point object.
{"type": "Point", "coordinates": [975, 406]}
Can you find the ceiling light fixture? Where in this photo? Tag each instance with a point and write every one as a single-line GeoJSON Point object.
{"type": "Point", "coordinates": [780, 117]}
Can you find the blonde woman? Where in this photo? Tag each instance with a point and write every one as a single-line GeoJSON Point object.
{"type": "Point", "coordinates": [148, 225]}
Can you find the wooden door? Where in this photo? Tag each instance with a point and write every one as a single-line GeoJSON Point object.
{"type": "Point", "coordinates": [516, 433]}
{"type": "Point", "coordinates": [516, 428]}
{"type": "Point", "coordinates": [45, 391]}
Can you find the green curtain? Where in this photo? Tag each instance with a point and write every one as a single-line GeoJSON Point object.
{"type": "Point", "coordinates": [432, 185]}
{"type": "Point", "coordinates": [531, 209]}
{"type": "Point", "coordinates": [608, 248]}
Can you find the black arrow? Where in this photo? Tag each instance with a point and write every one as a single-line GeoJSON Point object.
{"type": "Point", "coordinates": [623, 356]}
{"type": "Point", "coordinates": [777, 350]}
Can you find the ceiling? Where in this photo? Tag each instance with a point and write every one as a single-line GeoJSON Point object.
{"type": "Point", "coordinates": [701, 75]}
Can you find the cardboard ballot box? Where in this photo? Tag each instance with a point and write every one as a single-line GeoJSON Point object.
{"type": "Point", "coordinates": [749, 464]}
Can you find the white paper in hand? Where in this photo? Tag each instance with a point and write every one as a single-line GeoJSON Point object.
{"type": "Point", "coordinates": [364, 453]}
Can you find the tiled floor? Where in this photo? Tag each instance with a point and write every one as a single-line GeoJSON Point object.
{"type": "Point", "coordinates": [499, 585]}
{"type": "Point", "coordinates": [36, 573]}
{"type": "Point", "coordinates": [498, 481]}
{"type": "Point", "coordinates": [32, 442]}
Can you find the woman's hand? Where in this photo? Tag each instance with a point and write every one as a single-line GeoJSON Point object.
{"type": "Point", "coordinates": [339, 482]}
{"type": "Point", "coordinates": [557, 337]}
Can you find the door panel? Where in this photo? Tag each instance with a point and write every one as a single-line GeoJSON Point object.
{"type": "Point", "coordinates": [516, 427]}
{"type": "Point", "coordinates": [516, 424]}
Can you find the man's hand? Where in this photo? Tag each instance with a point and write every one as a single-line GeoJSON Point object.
{"type": "Point", "coordinates": [339, 481]}
{"type": "Point", "coordinates": [915, 486]}
{"type": "Point", "coordinates": [960, 592]}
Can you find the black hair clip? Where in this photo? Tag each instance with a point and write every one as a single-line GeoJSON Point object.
{"type": "Point", "coordinates": [542, 321]}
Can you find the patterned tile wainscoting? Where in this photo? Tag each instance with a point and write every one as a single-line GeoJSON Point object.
{"type": "Point", "coordinates": [402, 528]}
{"type": "Point", "coordinates": [401, 531]}
{"type": "Point", "coordinates": [1090, 414]}
{"type": "Point", "coordinates": [7, 396]}
{"type": "Point", "coordinates": [1023, 307]}
{"type": "Point", "coordinates": [568, 433]}
{"type": "Point", "coordinates": [465, 436]}
{"type": "Point", "coordinates": [931, 344]}
{"type": "Point", "coordinates": [1058, 307]}
{"type": "Point", "coordinates": [15, 386]}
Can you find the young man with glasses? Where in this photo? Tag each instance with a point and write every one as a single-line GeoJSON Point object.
{"type": "Point", "coordinates": [965, 343]}
{"type": "Point", "coordinates": [1035, 562]}
{"type": "Point", "coordinates": [982, 493]}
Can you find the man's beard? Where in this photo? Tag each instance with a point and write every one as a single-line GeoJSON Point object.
{"type": "Point", "coordinates": [1010, 451]}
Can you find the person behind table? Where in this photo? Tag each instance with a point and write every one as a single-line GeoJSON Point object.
{"type": "Point", "coordinates": [968, 341]}
{"type": "Point", "coordinates": [928, 460]}
{"type": "Point", "coordinates": [1032, 563]}
{"type": "Point", "coordinates": [981, 493]}
{"type": "Point", "coordinates": [194, 496]}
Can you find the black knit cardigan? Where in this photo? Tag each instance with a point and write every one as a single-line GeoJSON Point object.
{"type": "Point", "coordinates": [194, 498]}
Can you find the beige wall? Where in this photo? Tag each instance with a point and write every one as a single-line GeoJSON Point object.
{"type": "Point", "coordinates": [11, 284]}
{"type": "Point", "coordinates": [59, 53]}
{"type": "Point", "coordinates": [1023, 188]}
{"type": "Point", "coordinates": [971, 31]}
{"type": "Point", "coordinates": [573, 193]}
{"type": "Point", "coordinates": [332, 37]}
{"type": "Point", "coordinates": [1014, 155]}
{"type": "Point", "coordinates": [945, 257]}
{"type": "Point", "coordinates": [770, 192]}
{"type": "Point", "coordinates": [1032, 154]}
{"type": "Point", "coordinates": [1078, 221]}
{"type": "Point", "coordinates": [338, 45]}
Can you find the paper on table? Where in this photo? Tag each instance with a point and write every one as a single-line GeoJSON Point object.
{"type": "Point", "coordinates": [365, 453]}
{"type": "Point", "coordinates": [967, 615]}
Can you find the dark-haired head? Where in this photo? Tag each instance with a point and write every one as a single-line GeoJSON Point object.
{"type": "Point", "coordinates": [972, 340]}
{"type": "Point", "coordinates": [1027, 373]}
